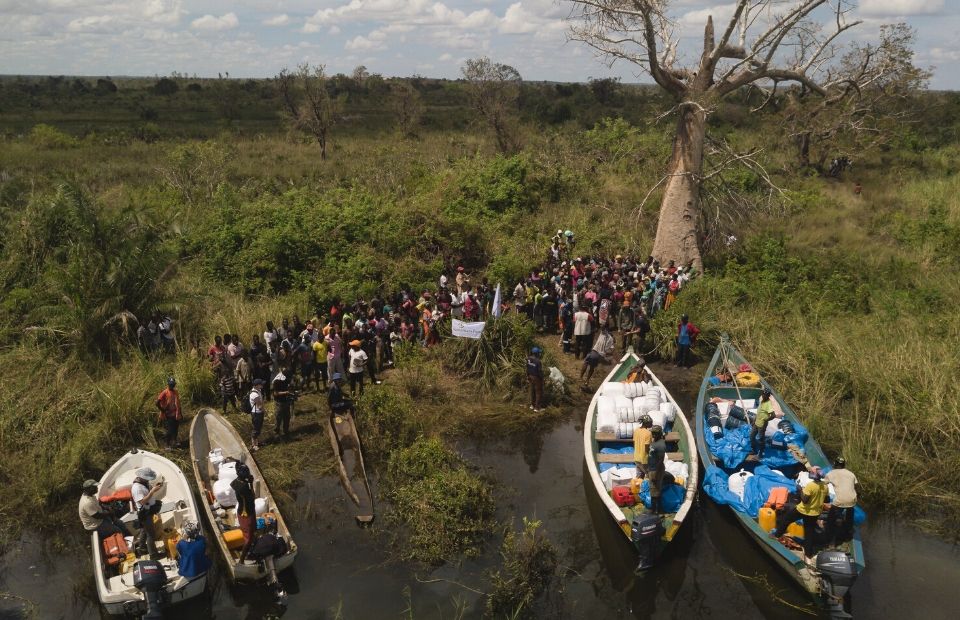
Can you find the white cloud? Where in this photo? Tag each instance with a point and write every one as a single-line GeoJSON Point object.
{"type": "Point", "coordinates": [360, 43]}
{"type": "Point", "coordinates": [277, 20]}
{"type": "Point", "coordinates": [211, 22]}
{"type": "Point", "coordinates": [334, 31]}
{"type": "Point", "coordinates": [95, 23]}
{"type": "Point", "coordinates": [898, 8]}
{"type": "Point", "coordinates": [447, 57]}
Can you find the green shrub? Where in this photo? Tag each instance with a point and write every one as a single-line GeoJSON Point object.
{"type": "Point", "coordinates": [529, 567]}
{"type": "Point", "coordinates": [49, 137]}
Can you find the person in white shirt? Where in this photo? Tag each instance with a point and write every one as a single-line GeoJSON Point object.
{"type": "Point", "coordinates": [92, 515]}
{"type": "Point", "coordinates": [845, 486]}
{"type": "Point", "coordinates": [256, 412]}
{"type": "Point", "coordinates": [147, 505]}
{"type": "Point", "coordinates": [582, 332]}
{"type": "Point", "coordinates": [357, 366]}
{"type": "Point", "coordinates": [605, 344]}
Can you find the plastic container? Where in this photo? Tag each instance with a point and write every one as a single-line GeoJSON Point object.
{"type": "Point", "coordinates": [260, 506]}
{"type": "Point", "coordinates": [233, 538]}
{"type": "Point", "coordinates": [215, 457]}
{"type": "Point", "coordinates": [767, 518]}
{"type": "Point", "coordinates": [635, 485]}
{"type": "Point", "coordinates": [669, 411]}
{"type": "Point", "coordinates": [795, 529]}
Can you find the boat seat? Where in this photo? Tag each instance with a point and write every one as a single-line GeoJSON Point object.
{"type": "Point", "coordinates": [675, 456]}
{"type": "Point", "coordinates": [671, 437]}
{"type": "Point", "coordinates": [615, 458]}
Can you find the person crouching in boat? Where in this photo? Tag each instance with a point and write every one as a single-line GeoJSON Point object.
{"type": "Point", "coordinates": [845, 486]}
{"type": "Point", "coordinates": [655, 467]}
{"type": "Point", "coordinates": [246, 508]}
{"type": "Point", "coordinates": [270, 545]}
{"type": "Point", "coordinates": [336, 399]}
{"type": "Point", "coordinates": [94, 517]}
{"type": "Point", "coordinates": [812, 498]}
{"type": "Point", "coordinates": [638, 374]}
{"type": "Point", "coordinates": [192, 560]}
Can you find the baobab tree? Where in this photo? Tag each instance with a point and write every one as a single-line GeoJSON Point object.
{"type": "Point", "coordinates": [764, 43]}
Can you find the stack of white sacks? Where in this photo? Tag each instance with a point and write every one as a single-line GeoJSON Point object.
{"type": "Point", "coordinates": [619, 409]}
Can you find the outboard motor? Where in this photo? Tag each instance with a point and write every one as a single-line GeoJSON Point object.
{"type": "Point", "coordinates": [149, 577]}
{"type": "Point", "coordinates": [645, 533]}
{"type": "Point", "coordinates": [837, 574]}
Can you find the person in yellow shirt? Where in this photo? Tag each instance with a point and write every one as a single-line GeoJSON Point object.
{"type": "Point", "coordinates": [320, 364]}
{"type": "Point", "coordinates": [813, 497]}
{"type": "Point", "coordinates": [642, 438]}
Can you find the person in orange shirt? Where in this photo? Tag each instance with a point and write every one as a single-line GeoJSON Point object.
{"type": "Point", "coordinates": [168, 403]}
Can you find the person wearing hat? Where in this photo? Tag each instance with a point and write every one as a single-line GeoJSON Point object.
{"type": "Point", "coordinates": [642, 438]}
{"type": "Point", "coordinates": [656, 454]}
{"type": "Point", "coordinates": [845, 486]}
{"type": "Point", "coordinates": [570, 242]}
{"type": "Point", "coordinates": [283, 398]}
{"type": "Point", "coordinates": [535, 378]}
{"type": "Point", "coordinates": [92, 515]}
{"type": "Point", "coordinates": [170, 414]}
{"type": "Point", "coordinates": [813, 496]}
{"type": "Point", "coordinates": [557, 238]}
{"type": "Point", "coordinates": [335, 398]}
{"type": "Point", "coordinates": [356, 367]}
{"type": "Point", "coordinates": [242, 485]}
{"type": "Point", "coordinates": [192, 560]}
{"type": "Point", "coordinates": [462, 279]}
{"type": "Point", "coordinates": [256, 412]}
{"type": "Point", "coordinates": [145, 500]}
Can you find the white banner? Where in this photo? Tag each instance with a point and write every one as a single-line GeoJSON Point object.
{"type": "Point", "coordinates": [467, 330]}
{"type": "Point", "coordinates": [496, 303]}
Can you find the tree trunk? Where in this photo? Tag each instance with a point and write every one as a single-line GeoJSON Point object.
{"type": "Point", "coordinates": [680, 209]}
{"type": "Point", "coordinates": [803, 147]}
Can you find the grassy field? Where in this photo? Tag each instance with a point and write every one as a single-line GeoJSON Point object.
{"type": "Point", "coordinates": [123, 203]}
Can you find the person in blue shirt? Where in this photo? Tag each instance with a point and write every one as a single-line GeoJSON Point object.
{"type": "Point", "coordinates": [687, 334]}
{"type": "Point", "coordinates": [192, 557]}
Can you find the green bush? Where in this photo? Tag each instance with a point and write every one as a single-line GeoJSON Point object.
{"type": "Point", "coordinates": [49, 137]}
{"type": "Point", "coordinates": [529, 566]}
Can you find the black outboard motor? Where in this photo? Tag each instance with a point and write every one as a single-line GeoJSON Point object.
{"type": "Point", "coordinates": [837, 574]}
{"type": "Point", "coordinates": [645, 533]}
{"type": "Point", "coordinates": [149, 577]}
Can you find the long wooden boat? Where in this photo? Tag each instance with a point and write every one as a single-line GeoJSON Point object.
{"type": "Point", "coordinates": [115, 579]}
{"type": "Point", "coordinates": [210, 432]}
{"type": "Point", "coordinates": [598, 445]}
{"type": "Point", "coordinates": [345, 441]}
{"type": "Point", "coordinates": [818, 579]}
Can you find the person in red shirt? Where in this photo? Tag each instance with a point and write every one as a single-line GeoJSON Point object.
{"type": "Point", "coordinates": [215, 351]}
{"type": "Point", "coordinates": [168, 403]}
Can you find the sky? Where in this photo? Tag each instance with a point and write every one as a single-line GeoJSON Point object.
{"type": "Point", "coordinates": [432, 38]}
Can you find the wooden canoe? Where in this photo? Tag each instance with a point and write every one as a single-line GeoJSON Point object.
{"type": "Point", "coordinates": [791, 561]}
{"type": "Point", "coordinates": [209, 431]}
{"type": "Point", "coordinates": [680, 446]}
{"type": "Point", "coordinates": [345, 441]}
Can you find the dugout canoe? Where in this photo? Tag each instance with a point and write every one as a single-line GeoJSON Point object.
{"type": "Point", "coordinates": [345, 441]}
{"type": "Point", "coordinates": [210, 431]}
{"type": "Point", "coordinates": [604, 450]}
{"type": "Point", "coordinates": [115, 575]}
{"type": "Point", "coordinates": [817, 578]}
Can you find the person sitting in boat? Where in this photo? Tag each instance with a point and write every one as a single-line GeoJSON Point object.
{"type": "Point", "coordinates": [336, 399]}
{"type": "Point", "coordinates": [846, 487]}
{"type": "Point", "coordinates": [656, 467]}
{"type": "Point", "coordinates": [722, 377]}
{"type": "Point", "coordinates": [638, 374]}
{"type": "Point", "coordinates": [813, 497]}
{"type": "Point", "coordinates": [242, 485]}
{"type": "Point", "coordinates": [270, 545]}
{"type": "Point", "coordinates": [94, 517]}
{"type": "Point", "coordinates": [146, 502]}
{"type": "Point", "coordinates": [642, 438]}
{"type": "Point", "coordinates": [192, 560]}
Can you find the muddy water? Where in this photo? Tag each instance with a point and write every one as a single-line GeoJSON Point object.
{"type": "Point", "coordinates": [710, 571]}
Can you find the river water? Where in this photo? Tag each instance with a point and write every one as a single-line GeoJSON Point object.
{"type": "Point", "coordinates": [713, 570]}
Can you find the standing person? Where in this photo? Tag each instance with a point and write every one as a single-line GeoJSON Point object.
{"type": "Point", "coordinates": [535, 378]}
{"type": "Point", "coordinates": [582, 331]}
{"type": "Point", "coordinates": [92, 515]}
{"type": "Point", "coordinates": [246, 508]}
{"type": "Point", "coordinates": [256, 413]}
{"type": "Point", "coordinates": [566, 319]}
{"type": "Point", "coordinates": [812, 498]}
{"type": "Point", "coordinates": [655, 467]}
{"type": "Point", "coordinates": [625, 325]}
{"type": "Point", "coordinates": [845, 486]}
{"type": "Point", "coordinates": [168, 404]}
{"type": "Point", "coordinates": [758, 432]}
{"type": "Point", "coordinates": [320, 364]}
{"type": "Point", "coordinates": [687, 334]}
{"type": "Point", "coordinates": [215, 351]}
{"type": "Point", "coordinates": [335, 399]}
{"type": "Point", "coordinates": [462, 280]}
{"type": "Point", "coordinates": [228, 386]}
{"type": "Point", "coordinates": [283, 398]}
{"type": "Point", "coordinates": [642, 438]}
{"type": "Point", "coordinates": [145, 500]}
{"type": "Point", "coordinates": [334, 351]}
{"type": "Point", "coordinates": [568, 235]}
{"type": "Point", "coordinates": [243, 374]}
{"type": "Point", "coordinates": [605, 344]}
{"type": "Point", "coordinates": [590, 363]}
{"type": "Point", "coordinates": [519, 297]}
{"type": "Point", "coordinates": [368, 338]}
{"type": "Point", "coordinates": [358, 363]}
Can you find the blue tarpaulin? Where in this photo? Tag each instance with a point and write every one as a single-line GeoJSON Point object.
{"type": "Point", "coordinates": [671, 496]}
{"type": "Point", "coordinates": [734, 446]}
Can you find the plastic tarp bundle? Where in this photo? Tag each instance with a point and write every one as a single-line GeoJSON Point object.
{"type": "Point", "coordinates": [671, 496]}
{"type": "Point", "coordinates": [606, 414]}
{"type": "Point", "coordinates": [756, 488]}
{"type": "Point", "coordinates": [737, 481]}
{"type": "Point", "coordinates": [635, 390]}
{"type": "Point", "coordinates": [624, 408]}
{"type": "Point", "coordinates": [612, 388]}
{"type": "Point", "coordinates": [734, 446]}
{"type": "Point", "coordinates": [625, 429]}
{"type": "Point", "coordinates": [618, 475]}
{"type": "Point", "coordinates": [669, 411]}
{"type": "Point", "coordinates": [678, 469]}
